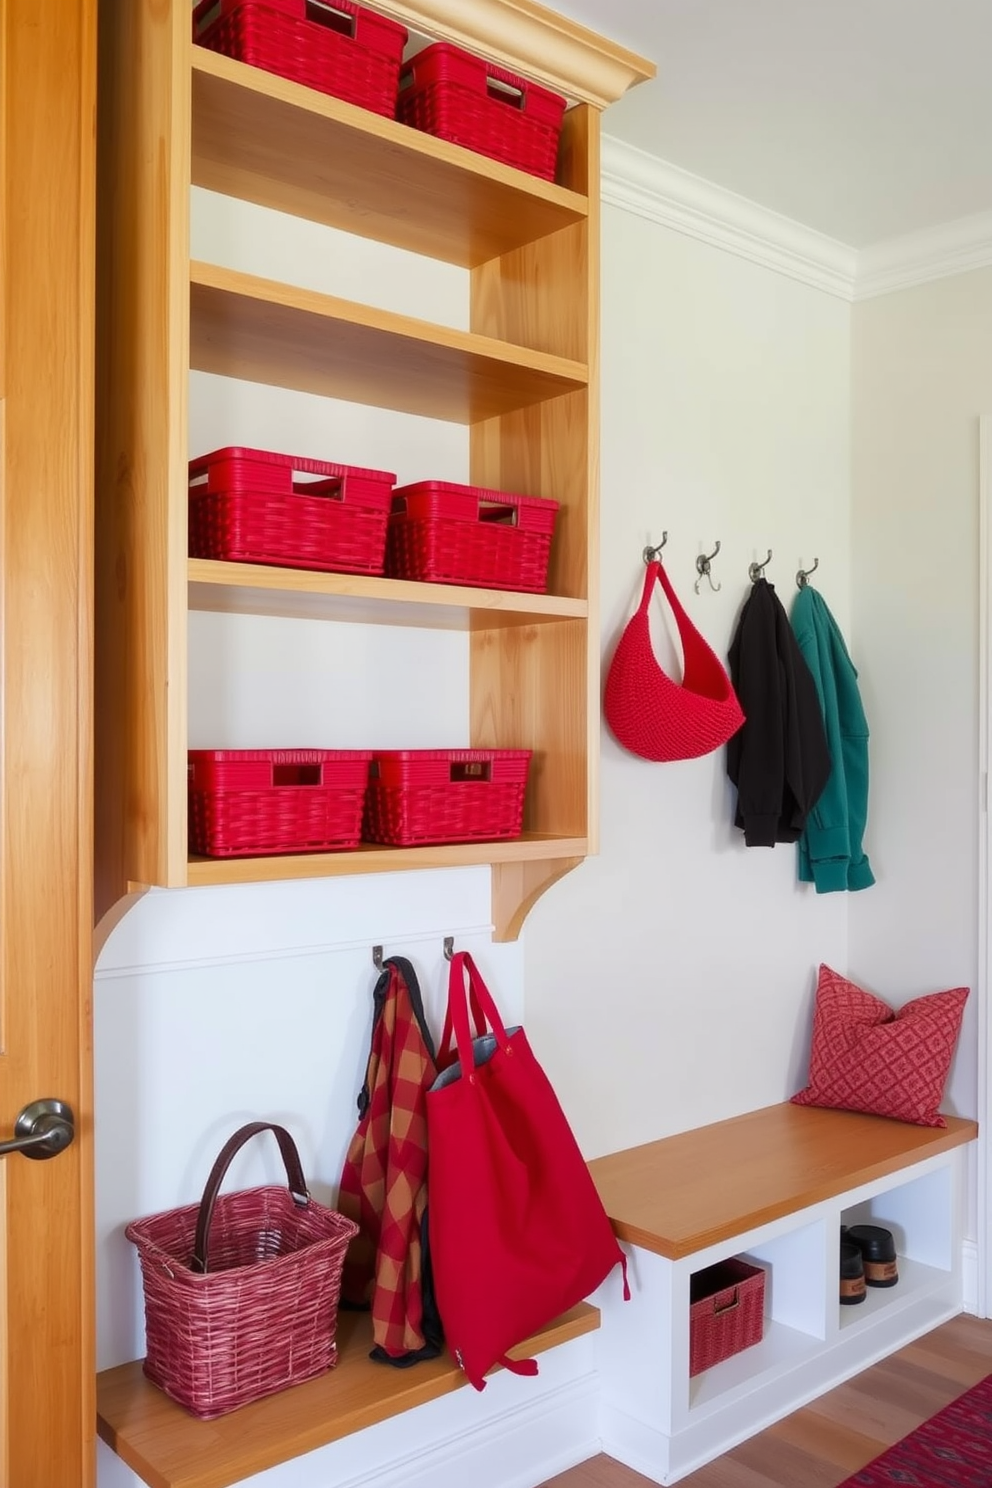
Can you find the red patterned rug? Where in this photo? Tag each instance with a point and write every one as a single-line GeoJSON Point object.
{"type": "Point", "coordinates": [951, 1450]}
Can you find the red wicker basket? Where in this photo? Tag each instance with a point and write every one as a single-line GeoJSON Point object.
{"type": "Point", "coordinates": [726, 1312]}
{"type": "Point", "coordinates": [455, 96]}
{"type": "Point", "coordinates": [451, 534]}
{"type": "Point", "coordinates": [241, 1291]}
{"type": "Point", "coordinates": [253, 506]}
{"type": "Point", "coordinates": [445, 795]}
{"type": "Point", "coordinates": [334, 46]}
{"type": "Point", "coordinates": [255, 802]}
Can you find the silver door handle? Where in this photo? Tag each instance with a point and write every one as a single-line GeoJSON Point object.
{"type": "Point", "coordinates": [43, 1129]}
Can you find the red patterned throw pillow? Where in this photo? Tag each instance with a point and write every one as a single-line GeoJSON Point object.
{"type": "Point", "coordinates": [867, 1057]}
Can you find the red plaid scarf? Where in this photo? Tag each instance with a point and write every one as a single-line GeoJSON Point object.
{"type": "Point", "coordinates": [384, 1182]}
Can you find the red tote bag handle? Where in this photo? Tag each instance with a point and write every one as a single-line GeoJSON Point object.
{"type": "Point", "coordinates": [484, 1011]}
{"type": "Point", "coordinates": [447, 1050]}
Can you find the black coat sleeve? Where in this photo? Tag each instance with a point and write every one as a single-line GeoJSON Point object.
{"type": "Point", "coordinates": [756, 754]}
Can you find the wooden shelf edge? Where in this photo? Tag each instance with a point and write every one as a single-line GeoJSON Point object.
{"type": "Point", "coordinates": [244, 588]}
{"type": "Point", "coordinates": [169, 1448]}
{"type": "Point", "coordinates": [370, 858]}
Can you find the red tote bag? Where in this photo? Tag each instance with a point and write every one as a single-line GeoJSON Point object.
{"type": "Point", "coordinates": [518, 1233]}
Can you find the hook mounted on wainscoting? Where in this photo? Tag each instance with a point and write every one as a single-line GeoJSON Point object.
{"type": "Point", "coordinates": [703, 569]}
{"type": "Point", "coordinates": [803, 575]}
{"type": "Point", "coordinates": [756, 571]}
{"type": "Point", "coordinates": [449, 947]}
{"type": "Point", "coordinates": [651, 554]}
{"type": "Point", "coordinates": [377, 957]}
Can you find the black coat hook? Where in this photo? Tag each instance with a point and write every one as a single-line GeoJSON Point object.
{"type": "Point", "coordinates": [650, 554]}
{"type": "Point", "coordinates": [756, 571]}
{"type": "Point", "coordinates": [703, 569]}
{"type": "Point", "coordinates": [804, 573]}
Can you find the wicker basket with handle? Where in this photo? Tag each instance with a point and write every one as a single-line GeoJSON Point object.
{"type": "Point", "coordinates": [241, 1290]}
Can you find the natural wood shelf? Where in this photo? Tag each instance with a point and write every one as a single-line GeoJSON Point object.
{"type": "Point", "coordinates": [255, 589]}
{"type": "Point", "coordinates": [265, 140]}
{"type": "Point", "coordinates": [685, 1192]}
{"type": "Point", "coordinates": [532, 847]}
{"type": "Point", "coordinates": [168, 1448]}
{"type": "Point", "coordinates": [264, 331]}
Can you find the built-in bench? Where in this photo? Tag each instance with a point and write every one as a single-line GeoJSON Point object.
{"type": "Point", "coordinates": [168, 1448]}
{"type": "Point", "coordinates": [774, 1186]}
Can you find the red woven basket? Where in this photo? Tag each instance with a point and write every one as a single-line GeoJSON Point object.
{"type": "Point", "coordinates": [255, 802]}
{"type": "Point", "coordinates": [334, 46]}
{"type": "Point", "coordinates": [455, 96]}
{"type": "Point", "coordinates": [241, 1291]}
{"type": "Point", "coordinates": [726, 1312]}
{"type": "Point", "coordinates": [253, 506]}
{"type": "Point", "coordinates": [445, 795]}
{"type": "Point", "coordinates": [450, 534]}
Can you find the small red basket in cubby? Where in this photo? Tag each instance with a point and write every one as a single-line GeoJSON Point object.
{"type": "Point", "coordinates": [251, 506]}
{"type": "Point", "coordinates": [254, 802]}
{"type": "Point", "coordinates": [445, 795]}
{"type": "Point", "coordinates": [726, 1311]}
{"type": "Point", "coordinates": [451, 534]}
{"type": "Point", "coordinates": [455, 96]}
{"type": "Point", "coordinates": [334, 46]}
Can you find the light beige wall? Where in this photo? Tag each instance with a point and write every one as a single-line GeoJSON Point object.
{"type": "Point", "coordinates": [669, 980]}
{"type": "Point", "coordinates": [922, 376]}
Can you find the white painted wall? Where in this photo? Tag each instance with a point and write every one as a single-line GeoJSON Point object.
{"type": "Point", "coordinates": [669, 980]}
{"type": "Point", "coordinates": [922, 376]}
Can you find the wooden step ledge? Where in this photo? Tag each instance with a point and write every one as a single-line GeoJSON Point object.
{"type": "Point", "coordinates": [679, 1195]}
{"type": "Point", "coordinates": [169, 1448]}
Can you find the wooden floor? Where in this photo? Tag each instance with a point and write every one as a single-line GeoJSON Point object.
{"type": "Point", "coordinates": [822, 1444]}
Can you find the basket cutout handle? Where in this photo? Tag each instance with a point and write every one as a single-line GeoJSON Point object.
{"type": "Point", "coordinates": [502, 87]}
{"type": "Point", "coordinates": [735, 1301]}
{"type": "Point", "coordinates": [498, 513]}
{"type": "Point", "coordinates": [340, 17]}
{"type": "Point", "coordinates": [294, 1177]}
{"type": "Point", "coordinates": [297, 774]}
{"type": "Point", "coordinates": [204, 16]}
{"type": "Point", "coordinates": [462, 770]}
{"type": "Point", "coordinates": [331, 487]}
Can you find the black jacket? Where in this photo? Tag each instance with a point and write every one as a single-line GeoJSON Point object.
{"type": "Point", "coordinates": [778, 759]}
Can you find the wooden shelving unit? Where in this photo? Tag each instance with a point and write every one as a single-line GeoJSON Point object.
{"type": "Point", "coordinates": [168, 1448]}
{"type": "Point", "coordinates": [523, 377]}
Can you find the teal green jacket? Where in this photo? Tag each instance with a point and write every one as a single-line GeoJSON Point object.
{"type": "Point", "coordinates": [830, 852]}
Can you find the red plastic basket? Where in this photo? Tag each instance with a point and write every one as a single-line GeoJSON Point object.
{"type": "Point", "coordinates": [252, 506]}
{"type": "Point", "coordinates": [241, 1291]}
{"type": "Point", "coordinates": [455, 96]}
{"type": "Point", "coordinates": [726, 1312]}
{"type": "Point", "coordinates": [255, 802]}
{"type": "Point", "coordinates": [445, 795]}
{"type": "Point", "coordinates": [450, 534]}
{"type": "Point", "coordinates": [334, 46]}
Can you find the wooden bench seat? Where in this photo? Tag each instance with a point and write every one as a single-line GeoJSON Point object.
{"type": "Point", "coordinates": [168, 1448]}
{"type": "Point", "coordinates": [685, 1192]}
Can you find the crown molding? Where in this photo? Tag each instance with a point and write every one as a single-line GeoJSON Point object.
{"type": "Point", "coordinates": [936, 253]}
{"type": "Point", "coordinates": [664, 193]}
{"type": "Point", "coordinates": [530, 39]}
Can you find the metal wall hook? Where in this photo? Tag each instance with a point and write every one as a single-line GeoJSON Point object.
{"type": "Point", "coordinates": [756, 571]}
{"type": "Point", "coordinates": [803, 575]}
{"type": "Point", "coordinates": [449, 947]}
{"type": "Point", "coordinates": [650, 554]}
{"type": "Point", "coordinates": [377, 957]}
{"type": "Point", "coordinates": [703, 569]}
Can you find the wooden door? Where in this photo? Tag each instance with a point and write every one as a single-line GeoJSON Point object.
{"type": "Point", "coordinates": [47, 162]}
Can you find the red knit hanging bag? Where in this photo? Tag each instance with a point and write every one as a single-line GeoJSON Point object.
{"type": "Point", "coordinates": [651, 715]}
